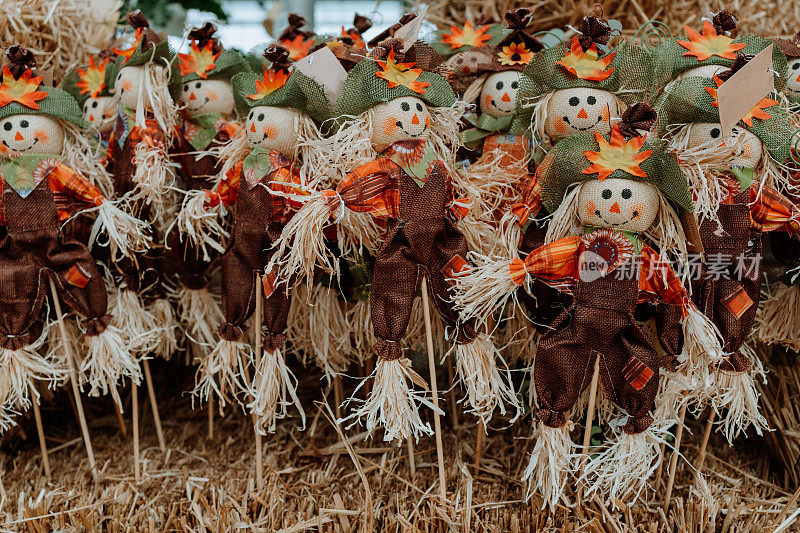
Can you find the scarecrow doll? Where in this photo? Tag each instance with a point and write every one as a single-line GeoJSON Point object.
{"type": "Point", "coordinates": [41, 189]}
{"type": "Point", "coordinates": [207, 109]}
{"type": "Point", "coordinates": [266, 170]}
{"type": "Point", "coordinates": [615, 201]}
{"type": "Point", "coordinates": [790, 88]}
{"type": "Point", "coordinates": [736, 186]}
{"type": "Point", "coordinates": [395, 109]}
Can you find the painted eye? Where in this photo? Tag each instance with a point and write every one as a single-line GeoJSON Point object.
{"type": "Point", "coordinates": [250, 116]}
{"type": "Point", "coordinates": [260, 117]}
{"type": "Point", "coordinates": [23, 124]}
{"type": "Point", "coordinates": [795, 66]}
{"type": "Point", "coordinates": [514, 84]}
{"type": "Point", "coordinates": [606, 194]}
{"type": "Point", "coordinates": [626, 193]}
{"type": "Point", "coordinates": [499, 85]}
{"type": "Point", "coordinates": [574, 101]}
{"type": "Point", "coordinates": [419, 106]}
{"type": "Point", "coordinates": [186, 87]}
{"type": "Point", "coordinates": [715, 133]}
{"type": "Point", "coordinates": [7, 126]}
{"type": "Point", "coordinates": [197, 85]}
{"type": "Point", "coordinates": [591, 100]}
{"type": "Point", "coordinates": [94, 104]}
{"type": "Point", "coordinates": [405, 106]}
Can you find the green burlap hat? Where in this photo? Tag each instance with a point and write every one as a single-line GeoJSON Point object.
{"type": "Point", "coordinates": [22, 93]}
{"type": "Point", "coordinates": [691, 100]}
{"type": "Point", "coordinates": [207, 59]}
{"type": "Point", "coordinates": [625, 71]}
{"type": "Point", "coordinates": [454, 40]}
{"type": "Point", "coordinates": [390, 73]}
{"type": "Point", "coordinates": [713, 46]}
{"type": "Point", "coordinates": [93, 80]}
{"type": "Point", "coordinates": [513, 52]}
{"type": "Point", "coordinates": [281, 86]}
{"type": "Point", "coordinates": [588, 156]}
{"type": "Point", "coordinates": [150, 47]}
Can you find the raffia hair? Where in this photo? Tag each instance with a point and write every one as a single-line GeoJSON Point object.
{"type": "Point", "coordinates": [81, 156]}
{"type": "Point", "coordinates": [154, 95]}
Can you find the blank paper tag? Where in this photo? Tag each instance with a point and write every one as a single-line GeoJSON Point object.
{"type": "Point", "coordinates": [737, 96]}
{"type": "Point", "coordinates": [692, 230]}
{"type": "Point", "coordinates": [323, 67]}
{"type": "Point", "coordinates": [409, 33]}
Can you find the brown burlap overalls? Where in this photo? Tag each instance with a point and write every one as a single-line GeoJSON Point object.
{"type": "Point", "coordinates": [247, 255]}
{"type": "Point", "coordinates": [33, 248]}
{"type": "Point", "coordinates": [599, 323]}
{"type": "Point", "coordinates": [422, 241]}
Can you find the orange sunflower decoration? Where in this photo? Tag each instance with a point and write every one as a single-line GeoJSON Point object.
{"type": "Point", "coordinates": [709, 44]}
{"type": "Point", "coordinates": [618, 154]}
{"type": "Point", "coordinates": [271, 82]}
{"type": "Point", "coordinates": [93, 77]}
{"type": "Point", "coordinates": [466, 36]}
{"type": "Point", "coordinates": [515, 54]}
{"type": "Point", "coordinates": [587, 65]}
{"type": "Point", "coordinates": [757, 111]}
{"type": "Point", "coordinates": [401, 74]}
{"type": "Point", "coordinates": [298, 47]}
{"type": "Point", "coordinates": [22, 90]}
{"type": "Point", "coordinates": [199, 61]}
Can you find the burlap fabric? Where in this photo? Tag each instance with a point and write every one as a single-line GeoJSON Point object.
{"type": "Point", "coordinates": [33, 249]}
{"type": "Point", "coordinates": [496, 31]}
{"type": "Point", "coordinates": [228, 63]}
{"type": "Point", "coordinates": [109, 69]}
{"type": "Point", "coordinates": [600, 323]}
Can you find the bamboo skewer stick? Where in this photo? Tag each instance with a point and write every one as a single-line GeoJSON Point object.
{"type": "Point", "coordinates": [40, 431]}
{"type": "Point", "coordinates": [412, 462]}
{"type": "Point", "coordinates": [211, 416]}
{"type": "Point", "coordinates": [73, 378]}
{"type": "Point", "coordinates": [587, 431]}
{"type": "Point", "coordinates": [151, 392]}
{"type": "Point", "coordinates": [704, 444]}
{"type": "Point", "coordinates": [437, 423]}
{"type": "Point", "coordinates": [479, 444]}
{"type": "Point", "coordinates": [137, 473]}
{"type": "Point", "coordinates": [121, 421]}
{"type": "Point", "coordinates": [258, 318]}
{"type": "Point", "coordinates": [673, 464]}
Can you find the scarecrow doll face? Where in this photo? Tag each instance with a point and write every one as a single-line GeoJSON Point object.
{"type": "Point", "coordinates": [403, 119]}
{"type": "Point", "coordinates": [618, 203]}
{"type": "Point", "coordinates": [100, 112]}
{"type": "Point", "coordinates": [571, 111]}
{"type": "Point", "coordinates": [792, 85]}
{"type": "Point", "coordinates": [499, 94]}
{"type": "Point", "coordinates": [30, 134]}
{"type": "Point", "coordinates": [747, 148]}
{"type": "Point", "coordinates": [273, 128]}
{"type": "Point", "coordinates": [201, 97]}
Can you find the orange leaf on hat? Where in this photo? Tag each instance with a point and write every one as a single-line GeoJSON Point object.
{"type": "Point", "coordinates": [618, 154]}
{"type": "Point", "coordinates": [468, 36]}
{"type": "Point", "coordinates": [709, 44]}
{"type": "Point", "coordinates": [128, 52]}
{"type": "Point", "coordinates": [199, 61]}
{"type": "Point", "coordinates": [757, 111]}
{"type": "Point", "coordinates": [586, 65]}
{"type": "Point", "coordinates": [93, 77]}
{"type": "Point", "coordinates": [298, 47]}
{"type": "Point", "coordinates": [271, 82]}
{"type": "Point", "coordinates": [401, 74]}
{"type": "Point", "coordinates": [22, 90]}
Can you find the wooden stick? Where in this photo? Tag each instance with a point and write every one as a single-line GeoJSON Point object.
{"type": "Point", "coordinates": [211, 416]}
{"type": "Point", "coordinates": [151, 392]}
{"type": "Point", "coordinates": [135, 408]}
{"type": "Point", "coordinates": [587, 431]}
{"type": "Point", "coordinates": [258, 318]}
{"type": "Point", "coordinates": [479, 444]}
{"type": "Point", "coordinates": [706, 435]}
{"type": "Point", "coordinates": [412, 462]}
{"type": "Point", "coordinates": [40, 430]}
{"type": "Point", "coordinates": [73, 378]}
{"type": "Point", "coordinates": [451, 395]}
{"type": "Point", "coordinates": [121, 420]}
{"type": "Point", "coordinates": [437, 423]}
{"type": "Point", "coordinates": [673, 464]}
{"type": "Point", "coordinates": [337, 395]}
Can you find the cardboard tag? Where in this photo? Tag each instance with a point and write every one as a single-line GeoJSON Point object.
{"type": "Point", "coordinates": [745, 89]}
{"type": "Point", "coordinates": [323, 67]}
{"type": "Point", "coordinates": [409, 33]}
{"type": "Point", "coordinates": [692, 231]}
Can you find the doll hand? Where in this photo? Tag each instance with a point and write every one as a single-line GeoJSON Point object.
{"type": "Point", "coordinates": [334, 203]}
{"type": "Point", "coordinates": [521, 213]}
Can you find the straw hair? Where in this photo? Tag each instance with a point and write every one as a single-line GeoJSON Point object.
{"type": "Point", "coordinates": [141, 329]}
{"type": "Point", "coordinates": [164, 314]}
{"type": "Point", "coordinates": [359, 320]}
{"type": "Point", "coordinates": [79, 155]}
{"type": "Point", "coordinates": [223, 372]}
{"type": "Point", "coordinates": [153, 96]}
{"type": "Point", "coordinates": [328, 330]}
{"type": "Point", "coordinates": [550, 464]}
{"type": "Point", "coordinates": [199, 312]}
{"type": "Point", "coordinates": [22, 368]}
{"type": "Point", "coordinates": [107, 362]}
{"type": "Point", "coordinates": [126, 234]}
{"type": "Point", "coordinates": [298, 324]}
{"type": "Point", "coordinates": [485, 288]}
{"type": "Point", "coordinates": [778, 320]}
{"type": "Point", "coordinates": [357, 233]}
{"type": "Point", "coordinates": [273, 392]}
{"type": "Point", "coordinates": [735, 395]}
{"type": "Point", "coordinates": [154, 174]}
{"type": "Point", "coordinates": [200, 225]}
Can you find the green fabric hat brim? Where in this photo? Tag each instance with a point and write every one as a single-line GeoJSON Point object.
{"type": "Point", "coordinates": [496, 30]}
{"type": "Point", "coordinates": [300, 92]}
{"type": "Point", "coordinates": [363, 90]}
{"type": "Point", "coordinates": [631, 78]}
{"type": "Point", "coordinates": [58, 103]}
{"type": "Point", "coordinates": [688, 102]}
{"type": "Point", "coordinates": [228, 64]}
{"type": "Point", "coordinates": [568, 162]}
{"type": "Point", "coordinates": [669, 61]}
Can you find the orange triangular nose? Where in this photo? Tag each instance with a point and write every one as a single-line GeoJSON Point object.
{"type": "Point", "coordinates": [19, 137]}
{"type": "Point", "coordinates": [506, 98]}
{"type": "Point", "coordinates": [253, 127]}
{"type": "Point", "coordinates": [614, 208]}
{"type": "Point", "coordinates": [192, 97]}
{"type": "Point", "coordinates": [415, 120]}
{"type": "Point", "coordinates": [91, 118]}
{"type": "Point", "coordinates": [582, 113]}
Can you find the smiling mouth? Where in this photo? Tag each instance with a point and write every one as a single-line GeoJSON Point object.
{"type": "Point", "coordinates": [35, 140]}
{"type": "Point", "coordinates": [566, 119]}
{"type": "Point", "coordinates": [400, 125]}
{"type": "Point", "coordinates": [634, 215]}
{"type": "Point", "coordinates": [501, 109]}
{"type": "Point", "coordinates": [198, 106]}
